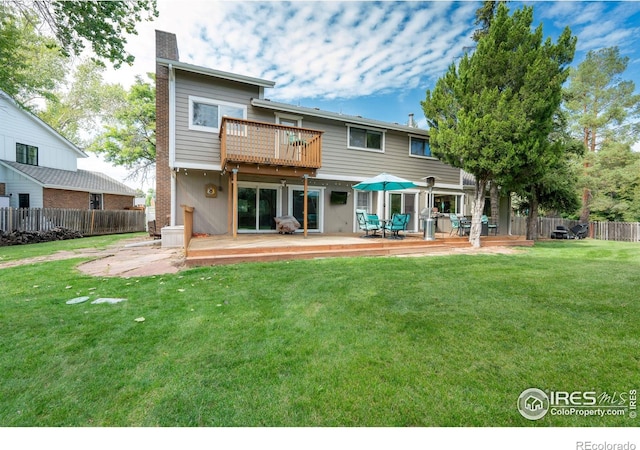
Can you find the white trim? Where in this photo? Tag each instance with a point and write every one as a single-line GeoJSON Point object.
{"type": "Point", "coordinates": [360, 127]}
{"type": "Point", "coordinates": [213, 102]}
{"type": "Point", "coordinates": [191, 165]}
{"type": "Point", "coordinates": [216, 73]}
{"type": "Point", "coordinates": [174, 201]}
{"type": "Point", "coordinates": [320, 218]}
{"type": "Point", "coordinates": [315, 112]}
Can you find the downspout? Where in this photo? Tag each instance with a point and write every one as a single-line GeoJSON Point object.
{"type": "Point", "coordinates": [172, 144]}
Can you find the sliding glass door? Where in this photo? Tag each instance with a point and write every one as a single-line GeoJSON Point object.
{"type": "Point", "coordinates": [314, 207]}
{"type": "Point", "coordinates": [257, 206]}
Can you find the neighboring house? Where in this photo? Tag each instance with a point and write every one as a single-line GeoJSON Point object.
{"type": "Point", "coordinates": [38, 167]}
{"type": "Point", "coordinates": [240, 159]}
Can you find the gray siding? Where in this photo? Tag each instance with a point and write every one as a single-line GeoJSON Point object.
{"type": "Point", "coordinates": [201, 147]}
{"type": "Point", "coordinates": [339, 160]}
{"type": "Point", "coordinates": [198, 147]}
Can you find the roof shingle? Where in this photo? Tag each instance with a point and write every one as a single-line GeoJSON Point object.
{"type": "Point", "coordinates": [80, 180]}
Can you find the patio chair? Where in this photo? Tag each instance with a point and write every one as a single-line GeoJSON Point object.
{"type": "Point", "coordinates": [397, 224]}
{"type": "Point", "coordinates": [455, 223]}
{"type": "Point", "coordinates": [490, 226]}
{"type": "Point", "coordinates": [368, 222]}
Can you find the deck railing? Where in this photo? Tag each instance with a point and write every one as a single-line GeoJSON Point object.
{"type": "Point", "coordinates": [246, 141]}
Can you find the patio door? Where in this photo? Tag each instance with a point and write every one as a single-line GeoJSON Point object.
{"type": "Point", "coordinates": [257, 206]}
{"type": "Point", "coordinates": [404, 203]}
{"type": "Point", "coordinates": [315, 207]}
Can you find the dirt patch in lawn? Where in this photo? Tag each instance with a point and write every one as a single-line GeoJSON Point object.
{"type": "Point", "coordinates": [127, 258]}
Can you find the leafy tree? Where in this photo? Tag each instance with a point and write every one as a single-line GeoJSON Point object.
{"type": "Point", "coordinates": [31, 66]}
{"type": "Point", "coordinates": [493, 115]}
{"type": "Point", "coordinates": [85, 105]}
{"type": "Point", "coordinates": [129, 140]}
{"type": "Point", "coordinates": [602, 106]}
{"type": "Point", "coordinates": [103, 24]}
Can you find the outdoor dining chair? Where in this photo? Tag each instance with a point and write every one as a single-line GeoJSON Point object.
{"type": "Point", "coordinates": [490, 226]}
{"type": "Point", "coordinates": [368, 222]}
{"type": "Point", "coordinates": [397, 224]}
{"type": "Point", "coordinates": [455, 223]}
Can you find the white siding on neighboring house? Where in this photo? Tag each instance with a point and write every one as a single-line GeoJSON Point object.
{"type": "Point", "coordinates": [17, 126]}
{"type": "Point", "coordinates": [17, 184]}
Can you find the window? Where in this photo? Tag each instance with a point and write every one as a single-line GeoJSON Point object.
{"type": "Point", "coordinates": [27, 154]}
{"type": "Point", "coordinates": [365, 139]}
{"type": "Point", "coordinates": [206, 114]}
{"type": "Point", "coordinates": [419, 146]}
{"type": "Point", "coordinates": [447, 203]}
{"type": "Point", "coordinates": [23, 201]}
{"type": "Point", "coordinates": [289, 120]}
{"type": "Point", "coordinates": [95, 201]}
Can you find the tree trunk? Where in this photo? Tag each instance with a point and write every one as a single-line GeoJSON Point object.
{"type": "Point", "coordinates": [532, 219]}
{"type": "Point", "coordinates": [586, 207]}
{"type": "Point", "coordinates": [476, 210]}
{"type": "Point", "coordinates": [495, 202]}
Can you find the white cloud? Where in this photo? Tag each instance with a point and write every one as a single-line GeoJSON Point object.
{"type": "Point", "coordinates": [314, 49]}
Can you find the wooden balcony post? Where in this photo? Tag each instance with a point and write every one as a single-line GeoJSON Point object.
{"type": "Point", "coordinates": [234, 214]}
{"type": "Point", "coordinates": [305, 202]}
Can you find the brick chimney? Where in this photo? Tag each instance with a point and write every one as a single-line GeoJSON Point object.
{"type": "Point", "coordinates": [167, 48]}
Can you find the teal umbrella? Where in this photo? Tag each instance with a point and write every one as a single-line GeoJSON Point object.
{"type": "Point", "coordinates": [384, 182]}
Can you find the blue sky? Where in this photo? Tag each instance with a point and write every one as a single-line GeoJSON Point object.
{"type": "Point", "coordinates": [374, 59]}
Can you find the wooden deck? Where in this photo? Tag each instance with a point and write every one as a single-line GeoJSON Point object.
{"type": "Point", "coordinates": [206, 251]}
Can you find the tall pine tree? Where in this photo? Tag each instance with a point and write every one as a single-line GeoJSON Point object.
{"type": "Point", "coordinates": [493, 114]}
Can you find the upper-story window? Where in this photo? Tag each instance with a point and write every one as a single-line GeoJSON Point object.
{"type": "Point", "coordinates": [419, 146]}
{"type": "Point", "coordinates": [27, 154]}
{"type": "Point", "coordinates": [366, 139]}
{"type": "Point", "coordinates": [206, 114]}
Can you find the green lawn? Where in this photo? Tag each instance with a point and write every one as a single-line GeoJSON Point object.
{"type": "Point", "coordinates": [428, 341]}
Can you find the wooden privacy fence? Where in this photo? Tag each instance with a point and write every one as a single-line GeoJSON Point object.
{"type": "Point", "coordinates": [89, 222]}
{"type": "Point", "coordinates": [606, 231]}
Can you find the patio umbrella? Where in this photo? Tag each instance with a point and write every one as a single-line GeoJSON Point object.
{"type": "Point", "coordinates": [384, 182]}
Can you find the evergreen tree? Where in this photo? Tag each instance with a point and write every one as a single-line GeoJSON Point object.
{"type": "Point", "coordinates": [493, 114]}
{"type": "Point", "coordinates": [603, 107]}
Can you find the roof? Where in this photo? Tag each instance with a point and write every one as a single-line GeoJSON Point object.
{"type": "Point", "coordinates": [215, 73]}
{"type": "Point", "coordinates": [284, 107]}
{"type": "Point", "coordinates": [80, 180]}
{"type": "Point", "coordinates": [43, 124]}
{"type": "Point", "coordinates": [356, 120]}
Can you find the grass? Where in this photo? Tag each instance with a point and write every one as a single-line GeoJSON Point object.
{"type": "Point", "coordinates": [15, 252]}
{"type": "Point", "coordinates": [429, 341]}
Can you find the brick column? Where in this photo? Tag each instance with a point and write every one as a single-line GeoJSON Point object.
{"type": "Point", "coordinates": [166, 47]}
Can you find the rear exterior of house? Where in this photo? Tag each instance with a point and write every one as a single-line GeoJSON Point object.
{"type": "Point", "coordinates": [240, 160]}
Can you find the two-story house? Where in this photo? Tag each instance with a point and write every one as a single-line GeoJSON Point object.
{"type": "Point", "coordinates": [38, 167]}
{"type": "Point", "coordinates": [240, 160]}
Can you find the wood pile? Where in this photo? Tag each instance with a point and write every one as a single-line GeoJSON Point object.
{"type": "Point", "coordinates": [32, 237]}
